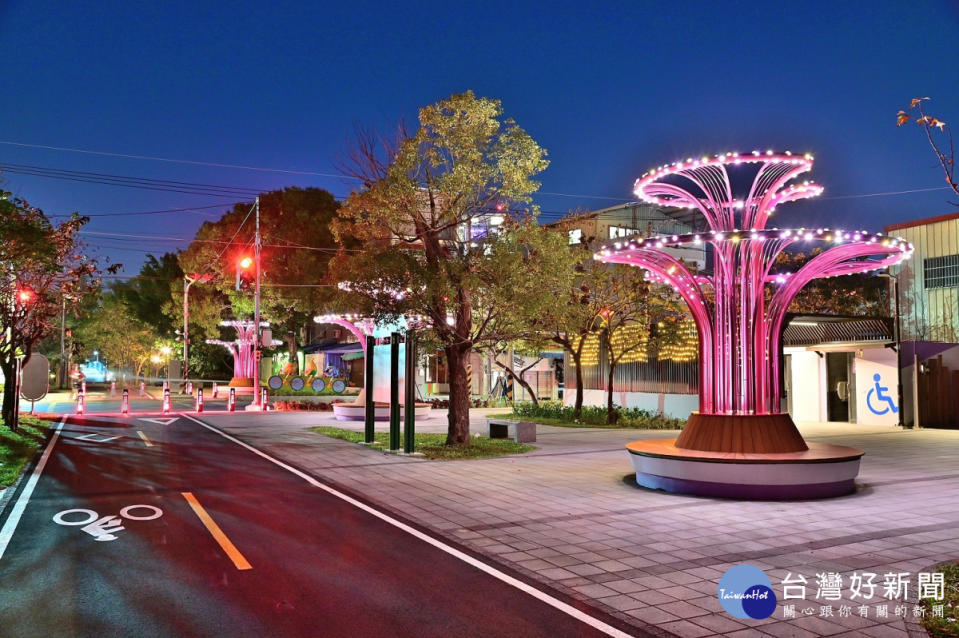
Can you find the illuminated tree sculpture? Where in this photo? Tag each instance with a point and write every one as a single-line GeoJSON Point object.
{"type": "Point", "coordinates": [739, 332]}
{"type": "Point", "coordinates": [244, 364]}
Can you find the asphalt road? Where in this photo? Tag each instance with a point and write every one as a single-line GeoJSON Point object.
{"type": "Point", "coordinates": [276, 556]}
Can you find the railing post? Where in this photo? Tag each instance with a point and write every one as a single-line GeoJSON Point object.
{"type": "Point", "coordinates": [409, 404]}
{"type": "Point", "coordinates": [368, 424]}
{"type": "Point", "coordinates": [394, 391]}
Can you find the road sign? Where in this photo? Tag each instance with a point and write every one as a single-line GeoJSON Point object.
{"type": "Point", "coordinates": [35, 378]}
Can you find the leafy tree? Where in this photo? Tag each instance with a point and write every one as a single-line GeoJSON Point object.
{"type": "Point", "coordinates": [297, 246]}
{"type": "Point", "coordinates": [40, 266]}
{"type": "Point", "coordinates": [149, 295]}
{"type": "Point", "coordinates": [426, 211]}
{"type": "Point", "coordinates": [122, 338]}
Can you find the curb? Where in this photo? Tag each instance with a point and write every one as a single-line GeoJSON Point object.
{"type": "Point", "coordinates": [7, 493]}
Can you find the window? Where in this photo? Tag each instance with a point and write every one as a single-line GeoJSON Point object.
{"type": "Point", "coordinates": [576, 236]}
{"type": "Point", "coordinates": [941, 272]}
{"type": "Point", "coordinates": [621, 231]}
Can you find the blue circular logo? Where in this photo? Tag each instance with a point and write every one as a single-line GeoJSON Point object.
{"type": "Point", "coordinates": [746, 592]}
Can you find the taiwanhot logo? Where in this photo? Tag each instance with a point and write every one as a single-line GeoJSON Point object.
{"type": "Point", "coordinates": [746, 592]}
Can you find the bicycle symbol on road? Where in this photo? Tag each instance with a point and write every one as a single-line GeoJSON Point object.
{"type": "Point", "coordinates": [880, 392]}
{"type": "Point", "coordinates": [104, 529]}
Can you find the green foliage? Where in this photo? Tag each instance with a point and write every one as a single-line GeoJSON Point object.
{"type": "Point", "coordinates": [428, 209]}
{"type": "Point", "coordinates": [17, 448]}
{"type": "Point", "coordinates": [297, 243]}
{"type": "Point", "coordinates": [124, 341]}
{"type": "Point", "coordinates": [555, 413]}
{"type": "Point", "coordinates": [948, 625]}
{"type": "Point", "coordinates": [149, 296]}
{"type": "Point", "coordinates": [433, 446]}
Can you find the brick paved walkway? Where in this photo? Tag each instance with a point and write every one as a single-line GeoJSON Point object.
{"type": "Point", "coordinates": [570, 515]}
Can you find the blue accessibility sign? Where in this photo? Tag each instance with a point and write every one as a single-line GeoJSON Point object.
{"type": "Point", "coordinates": [882, 399]}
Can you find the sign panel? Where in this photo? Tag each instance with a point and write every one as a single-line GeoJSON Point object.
{"type": "Point", "coordinates": [35, 378]}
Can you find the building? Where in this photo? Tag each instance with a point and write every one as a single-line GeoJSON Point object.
{"type": "Point", "coordinates": [929, 282]}
{"type": "Point", "coordinates": [665, 383]}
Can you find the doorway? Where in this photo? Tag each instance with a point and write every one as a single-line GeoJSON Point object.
{"type": "Point", "coordinates": [839, 389]}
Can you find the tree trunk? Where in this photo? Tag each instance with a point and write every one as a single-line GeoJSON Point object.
{"type": "Point", "coordinates": [9, 394]}
{"type": "Point", "coordinates": [578, 367]}
{"type": "Point", "coordinates": [459, 413]}
{"type": "Point", "coordinates": [520, 380]}
{"type": "Point", "coordinates": [611, 414]}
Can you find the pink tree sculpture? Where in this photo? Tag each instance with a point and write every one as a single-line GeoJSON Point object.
{"type": "Point", "coordinates": [241, 349]}
{"type": "Point", "coordinates": [739, 333]}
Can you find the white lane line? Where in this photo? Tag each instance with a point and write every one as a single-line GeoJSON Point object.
{"type": "Point", "coordinates": [466, 558]}
{"type": "Point", "coordinates": [145, 439]}
{"type": "Point", "coordinates": [14, 519]}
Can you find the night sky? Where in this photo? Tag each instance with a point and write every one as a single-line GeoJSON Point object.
{"type": "Point", "coordinates": [609, 92]}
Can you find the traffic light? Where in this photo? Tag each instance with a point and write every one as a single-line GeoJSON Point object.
{"type": "Point", "coordinates": [24, 296]}
{"type": "Point", "coordinates": [244, 273]}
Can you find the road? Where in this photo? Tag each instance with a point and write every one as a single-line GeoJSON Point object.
{"type": "Point", "coordinates": [217, 540]}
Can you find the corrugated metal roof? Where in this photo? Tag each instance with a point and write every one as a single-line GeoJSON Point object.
{"type": "Point", "coordinates": [815, 330]}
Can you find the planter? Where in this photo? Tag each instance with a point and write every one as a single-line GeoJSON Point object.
{"type": "Point", "coordinates": [381, 411]}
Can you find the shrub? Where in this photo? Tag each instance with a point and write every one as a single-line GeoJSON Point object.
{"type": "Point", "coordinates": [596, 415]}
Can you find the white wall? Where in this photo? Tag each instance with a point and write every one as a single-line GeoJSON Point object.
{"type": "Point", "coordinates": [881, 361]}
{"type": "Point", "coordinates": [678, 406]}
{"type": "Point", "coordinates": [808, 385]}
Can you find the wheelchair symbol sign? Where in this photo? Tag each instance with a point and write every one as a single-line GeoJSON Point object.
{"type": "Point", "coordinates": [878, 396]}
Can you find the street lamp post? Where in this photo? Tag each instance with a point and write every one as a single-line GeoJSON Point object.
{"type": "Point", "coordinates": [895, 285]}
{"type": "Point", "coordinates": [189, 280]}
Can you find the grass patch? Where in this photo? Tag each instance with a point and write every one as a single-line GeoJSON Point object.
{"type": "Point", "coordinates": [555, 413]}
{"type": "Point", "coordinates": [17, 448]}
{"type": "Point", "coordinates": [434, 445]}
{"type": "Point", "coordinates": [948, 624]}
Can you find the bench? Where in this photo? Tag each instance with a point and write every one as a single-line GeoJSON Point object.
{"type": "Point", "coordinates": [519, 431]}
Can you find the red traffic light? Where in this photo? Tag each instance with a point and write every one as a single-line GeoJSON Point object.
{"type": "Point", "coordinates": [246, 262]}
{"type": "Point", "coordinates": [24, 295]}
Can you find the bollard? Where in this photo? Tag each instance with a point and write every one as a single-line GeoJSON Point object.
{"type": "Point", "coordinates": [143, 389]}
{"type": "Point", "coordinates": [189, 387]}
{"type": "Point", "coordinates": [80, 405]}
{"type": "Point", "coordinates": [264, 399]}
{"type": "Point", "coordinates": [166, 386]}
{"type": "Point", "coordinates": [166, 401]}
{"type": "Point", "coordinates": [216, 390]}
{"type": "Point", "coordinates": [83, 387]}
{"type": "Point", "coordinates": [113, 388]}
{"type": "Point", "coordinates": [125, 402]}
{"type": "Point", "coordinates": [231, 403]}
{"type": "Point", "coordinates": [199, 399]}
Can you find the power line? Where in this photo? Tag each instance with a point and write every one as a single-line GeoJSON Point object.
{"type": "Point", "coordinates": [176, 161]}
{"type": "Point", "coordinates": [144, 183]}
{"type": "Point", "coordinates": [191, 209]}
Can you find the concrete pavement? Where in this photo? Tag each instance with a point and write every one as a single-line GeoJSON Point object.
{"type": "Point", "coordinates": [570, 515]}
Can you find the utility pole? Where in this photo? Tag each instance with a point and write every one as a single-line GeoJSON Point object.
{"type": "Point", "coordinates": [256, 312]}
{"type": "Point", "coordinates": [63, 349]}
{"type": "Point", "coordinates": [188, 280]}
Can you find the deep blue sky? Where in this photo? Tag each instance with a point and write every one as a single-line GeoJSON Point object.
{"type": "Point", "coordinates": [609, 92]}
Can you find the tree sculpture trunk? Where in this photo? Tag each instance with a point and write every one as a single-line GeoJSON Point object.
{"type": "Point", "coordinates": [291, 348]}
{"type": "Point", "coordinates": [459, 413]}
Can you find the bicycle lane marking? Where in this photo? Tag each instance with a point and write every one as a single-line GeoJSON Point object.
{"type": "Point", "coordinates": [542, 596]}
{"type": "Point", "coordinates": [10, 526]}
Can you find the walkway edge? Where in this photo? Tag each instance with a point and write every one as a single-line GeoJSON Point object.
{"type": "Point", "coordinates": [443, 545]}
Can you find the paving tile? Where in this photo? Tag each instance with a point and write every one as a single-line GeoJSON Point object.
{"type": "Point", "coordinates": [686, 629]}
